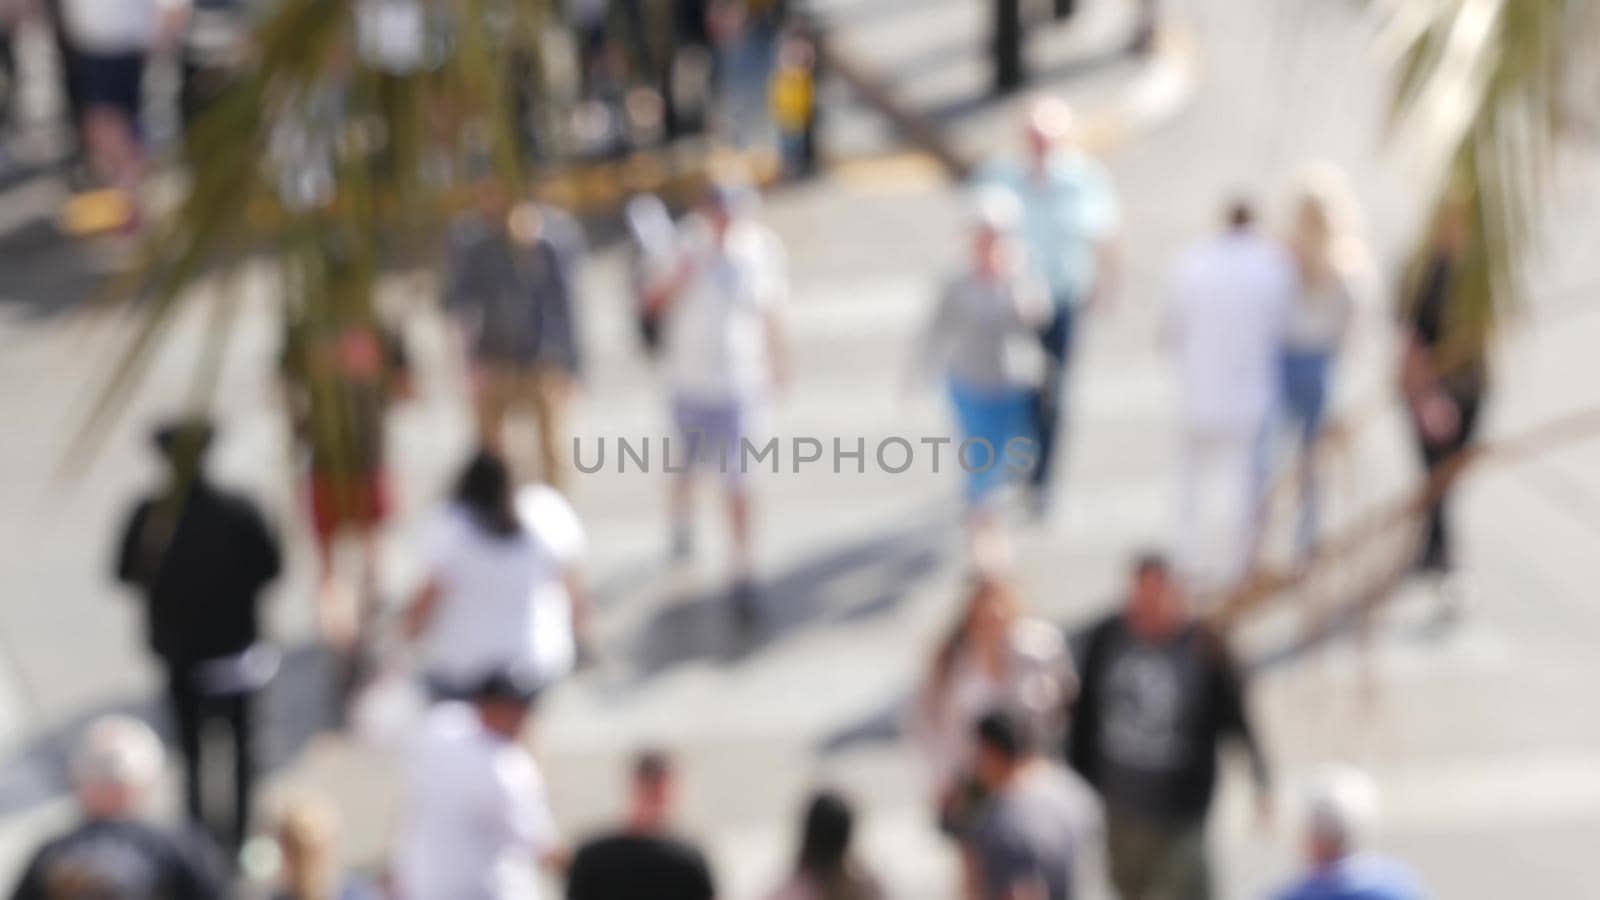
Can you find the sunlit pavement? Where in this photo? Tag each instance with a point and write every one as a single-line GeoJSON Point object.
{"type": "Point", "coordinates": [1478, 735]}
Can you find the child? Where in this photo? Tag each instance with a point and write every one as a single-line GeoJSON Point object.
{"type": "Point", "coordinates": [793, 97]}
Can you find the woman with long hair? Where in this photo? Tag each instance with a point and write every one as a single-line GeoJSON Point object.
{"type": "Point", "coordinates": [993, 657]}
{"type": "Point", "coordinates": [502, 588]}
{"type": "Point", "coordinates": [1334, 269]}
{"type": "Point", "coordinates": [825, 868]}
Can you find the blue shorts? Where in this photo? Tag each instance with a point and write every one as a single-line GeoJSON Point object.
{"type": "Point", "coordinates": [711, 434]}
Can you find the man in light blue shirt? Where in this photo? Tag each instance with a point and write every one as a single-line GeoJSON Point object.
{"type": "Point", "coordinates": [1343, 805]}
{"type": "Point", "coordinates": [1069, 228]}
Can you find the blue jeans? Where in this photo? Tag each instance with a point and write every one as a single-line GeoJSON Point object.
{"type": "Point", "coordinates": [1305, 400]}
{"type": "Point", "coordinates": [992, 416]}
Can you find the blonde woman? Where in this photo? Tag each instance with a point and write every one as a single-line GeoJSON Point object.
{"type": "Point", "coordinates": [1334, 271]}
{"type": "Point", "coordinates": [308, 834]}
{"type": "Point", "coordinates": [994, 657]}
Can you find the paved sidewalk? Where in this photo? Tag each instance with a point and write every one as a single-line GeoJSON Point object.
{"type": "Point", "coordinates": [1474, 734]}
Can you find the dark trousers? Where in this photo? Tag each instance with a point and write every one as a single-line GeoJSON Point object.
{"type": "Point", "coordinates": [1438, 552]}
{"type": "Point", "coordinates": [192, 712]}
{"type": "Point", "coordinates": [1051, 399]}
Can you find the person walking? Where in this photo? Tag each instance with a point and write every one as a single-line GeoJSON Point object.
{"type": "Point", "coordinates": [644, 859]}
{"type": "Point", "coordinates": [993, 657]}
{"type": "Point", "coordinates": [310, 868]}
{"type": "Point", "coordinates": [475, 821]}
{"type": "Point", "coordinates": [725, 359]}
{"type": "Point", "coordinates": [1230, 302]}
{"type": "Point", "coordinates": [825, 868]}
{"type": "Point", "coordinates": [1444, 380]}
{"type": "Point", "coordinates": [341, 375]}
{"type": "Point", "coordinates": [200, 556]}
{"type": "Point", "coordinates": [1333, 267]}
{"type": "Point", "coordinates": [112, 42]}
{"type": "Point", "coordinates": [503, 586]}
{"type": "Point", "coordinates": [1070, 221]}
{"type": "Point", "coordinates": [1160, 694]}
{"type": "Point", "coordinates": [113, 852]}
{"type": "Point", "coordinates": [512, 286]}
{"type": "Point", "coordinates": [1342, 811]}
{"type": "Point", "coordinates": [1027, 839]}
{"type": "Point", "coordinates": [982, 340]}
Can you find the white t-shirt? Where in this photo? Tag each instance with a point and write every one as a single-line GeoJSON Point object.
{"type": "Point", "coordinates": [476, 818]}
{"type": "Point", "coordinates": [1231, 297]}
{"type": "Point", "coordinates": [717, 327]}
{"type": "Point", "coordinates": [504, 600]}
{"type": "Point", "coordinates": [115, 26]}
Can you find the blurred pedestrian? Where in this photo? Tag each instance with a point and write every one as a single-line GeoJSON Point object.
{"type": "Point", "coordinates": [1445, 376]}
{"type": "Point", "coordinates": [1037, 818]}
{"type": "Point", "coordinates": [503, 586]}
{"type": "Point", "coordinates": [308, 832]}
{"type": "Point", "coordinates": [982, 340]}
{"type": "Point", "coordinates": [725, 360]}
{"type": "Point", "coordinates": [341, 378]}
{"type": "Point", "coordinates": [112, 42]}
{"type": "Point", "coordinates": [1226, 325]}
{"type": "Point", "coordinates": [476, 822]}
{"type": "Point", "coordinates": [826, 869]}
{"type": "Point", "coordinates": [744, 34]}
{"type": "Point", "coordinates": [200, 556]}
{"type": "Point", "coordinates": [995, 656]}
{"type": "Point", "coordinates": [1342, 811]}
{"type": "Point", "coordinates": [644, 859]}
{"type": "Point", "coordinates": [1160, 694]}
{"type": "Point", "coordinates": [1070, 222]}
{"type": "Point", "coordinates": [1332, 264]}
{"type": "Point", "coordinates": [113, 853]}
{"type": "Point", "coordinates": [794, 103]}
{"type": "Point", "coordinates": [512, 285]}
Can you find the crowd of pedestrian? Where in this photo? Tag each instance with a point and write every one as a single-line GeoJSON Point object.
{"type": "Point", "coordinates": [1044, 747]}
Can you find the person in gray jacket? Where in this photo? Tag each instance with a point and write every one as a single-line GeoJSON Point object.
{"type": "Point", "coordinates": [511, 284]}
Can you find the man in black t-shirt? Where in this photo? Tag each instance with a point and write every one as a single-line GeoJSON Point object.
{"type": "Point", "coordinates": [1159, 693]}
{"type": "Point", "coordinates": [643, 860]}
{"type": "Point", "coordinates": [200, 557]}
{"type": "Point", "coordinates": [112, 854]}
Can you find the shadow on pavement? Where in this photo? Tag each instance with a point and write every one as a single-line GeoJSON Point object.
{"type": "Point", "coordinates": [951, 112]}
{"type": "Point", "coordinates": [841, 584]}
{"type": "Point", "coordinates": [294, 709]}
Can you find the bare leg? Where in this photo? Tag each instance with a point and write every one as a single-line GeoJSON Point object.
{"type": "Point", "coordinates": [682, 516]}
{"type": "Point", "coordinates": [739, 528]}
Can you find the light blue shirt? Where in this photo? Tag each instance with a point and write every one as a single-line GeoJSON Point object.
{"type": "Point", "coordinates": [1358, 878]}
{"type": "Point", "coordinates": [1065, 217]}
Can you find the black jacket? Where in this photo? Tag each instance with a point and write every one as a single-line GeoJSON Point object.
{"type": "Point", "coordinates": [201, 561]}
{"type": "Point", "coordinates": [1222, 714]}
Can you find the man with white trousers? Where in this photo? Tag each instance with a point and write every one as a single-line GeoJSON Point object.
{"type": "Point", "coordinates": [1230, 301]}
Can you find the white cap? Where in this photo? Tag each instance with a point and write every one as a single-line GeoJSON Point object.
{"type": "Point", "coordinates": [118, 751]}
{"type": "Point", "coordinates": [1342, 807]}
